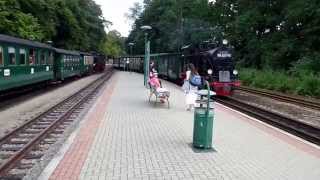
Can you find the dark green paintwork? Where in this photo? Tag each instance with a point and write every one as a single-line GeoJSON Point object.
{"type": "Point", "coordinates": [202, 129]}
{"type": "Point", "coordinates": [21, 74]}
{"type": "Point", "coordinates": [64, 70]}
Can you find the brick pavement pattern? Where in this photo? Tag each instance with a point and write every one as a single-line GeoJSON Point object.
{"type": "Point", "coordinates": [136, 140]}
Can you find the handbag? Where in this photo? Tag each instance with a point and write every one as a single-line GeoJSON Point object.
{"type": "Point", "coordinates": [195, 80]}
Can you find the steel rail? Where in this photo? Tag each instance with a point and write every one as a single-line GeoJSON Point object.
{"type": "Point", "coordinates": [10, 162]}
{"type": "Point", "coordinates": [283, 97]}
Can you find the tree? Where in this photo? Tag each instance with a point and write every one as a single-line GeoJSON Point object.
{"type": "Point", "coordinates": [70, 24]}
{"type": "Point", "coordinates": [174, 22]}
{"type": "Point", "coordinates": [17, 23]}
{"type": "Point", "coordinates": [114, 44]}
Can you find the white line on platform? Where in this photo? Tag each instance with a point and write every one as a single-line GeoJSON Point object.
{"type": "Point", "coordinates": [272, 127]}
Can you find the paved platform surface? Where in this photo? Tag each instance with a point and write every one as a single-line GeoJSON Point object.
{"type": "Point", "coordinates": [125, 137]}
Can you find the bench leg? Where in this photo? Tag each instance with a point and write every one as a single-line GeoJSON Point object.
{"type": "Point", "coordinates": [150, 96]}
{"type": "Point", "coordinates": [155, 103]}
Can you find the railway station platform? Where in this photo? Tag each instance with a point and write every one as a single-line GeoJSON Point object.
{"type": "Point", "coordinates": [125, 137]}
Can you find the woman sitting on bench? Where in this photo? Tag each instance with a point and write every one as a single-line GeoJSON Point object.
{"type": "Point", "coordinates": [155, 84]}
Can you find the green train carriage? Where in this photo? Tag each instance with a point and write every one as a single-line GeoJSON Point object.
{"type": "Point", "coordinates": [67, 64]}
{"type": "Point", "coordinates": [87, 61]}
{"type": "Point", "coordinates": [24, 62]}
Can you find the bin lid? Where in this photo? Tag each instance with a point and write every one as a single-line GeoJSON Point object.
{"type": "Point", "coordinates": [204, 92]}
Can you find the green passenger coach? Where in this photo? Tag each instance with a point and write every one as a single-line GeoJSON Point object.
{"type": "Point", "coordinates": [24, 62]}
{"type": "Point", "coordinates": [87, 63]}
{"type": "Point", "coordinates": [67, 64]}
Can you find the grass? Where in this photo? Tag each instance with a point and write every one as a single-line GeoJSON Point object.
{"type": "Point", "coordinates": [298, 83]}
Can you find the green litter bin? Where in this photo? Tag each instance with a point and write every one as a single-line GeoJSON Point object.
{"type": "Point", "coordinates": [203, 121]}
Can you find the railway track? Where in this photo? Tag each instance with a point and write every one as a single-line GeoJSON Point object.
{"type": "Point", "coordinates": [12, 96]}
{"type": "Point", "coordinates": [282, 97]}
{"type": "Point", "coordinates": [24, 146]}
{"type": "Point", "coordinates": [298, 128]}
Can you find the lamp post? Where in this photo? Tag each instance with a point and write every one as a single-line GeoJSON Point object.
{"type": "Point", "coordinates": [131, 44]}
{"type": "Point", "coordinates": [147, 53]}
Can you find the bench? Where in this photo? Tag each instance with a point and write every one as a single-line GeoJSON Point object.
{"type": "Point", "coordinates": [159, 95]}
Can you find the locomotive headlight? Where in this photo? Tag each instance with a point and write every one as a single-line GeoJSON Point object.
{"type": "Point", "coordinates": [209, 71]}
{"type": "Point", "coordinates": [225, 42]}
{"type": "Point", "coordinates": [235, 72]}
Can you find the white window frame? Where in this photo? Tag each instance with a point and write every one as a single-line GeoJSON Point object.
{"type": "Point", "coordinates": [23, 51]}
{"type": "Point", "coordinates": [10, 51]}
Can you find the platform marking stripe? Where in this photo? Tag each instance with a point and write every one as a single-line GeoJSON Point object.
{"type": "Point", "coordinates": [311, 148]}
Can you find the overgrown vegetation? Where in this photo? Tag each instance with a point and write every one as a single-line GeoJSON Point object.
{"type": "Point", "coordinates": [300, 84]}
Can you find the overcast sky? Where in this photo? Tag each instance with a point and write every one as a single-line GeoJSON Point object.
{"type": "Point", "coordinates": [114, 11]}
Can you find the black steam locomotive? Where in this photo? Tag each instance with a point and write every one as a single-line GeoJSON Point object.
{"type": "Point", "coordinates": [215, 63]}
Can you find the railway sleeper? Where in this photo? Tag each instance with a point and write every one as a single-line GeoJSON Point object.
{"type": "Point", "coordinates": [32, 131]}
{"type": "Point", "coordinates": [6, 154]}
{"type": "Point", "coordinates": [19, 140]}
{"type": "Point", "coordinates": [12, 177]}
{"type": "Point", "coordinates": [38, 126]}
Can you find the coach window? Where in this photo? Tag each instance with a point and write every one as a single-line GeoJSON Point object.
{"type": "Point", "coordinates": [50, 62]}
{"type": "Point", "coordinates": [12, 55]}
{"type": "Point", "coordinates": [32, 57]}
{"type": "Point", "coordinates": [42, 57]}
{"type": "Point", "coordinates": [1, 56]}
{"type": "Point", "coordinates": [71, 60]}
{"type": "Point", "coordinates": [23, 56]}
{"type": "Point", "coordinates": [65, 59]}
{"type": "Point", "coordinates": [45, 53]}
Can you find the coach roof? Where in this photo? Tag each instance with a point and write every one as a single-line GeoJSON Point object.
{"type": "Point", "coordinates": [63, 51]}
{"type": "Point", "coordinates": [14, 40]}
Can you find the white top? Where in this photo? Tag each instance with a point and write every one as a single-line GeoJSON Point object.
{"type": "Point", "coordinates": [188, 74]}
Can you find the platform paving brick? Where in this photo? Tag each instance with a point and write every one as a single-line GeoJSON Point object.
{"type": "Point", "coordinates": [137, 140]}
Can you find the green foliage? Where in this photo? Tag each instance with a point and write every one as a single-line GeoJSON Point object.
{"type": "Point", "coordinates": [175, 23]}
{"type": "Point", "coordinates": [302, 84]}
{"type": "Point", "coordinates": [70, 24]}
{"type": "Point", "coordinates": [114, 43]}
{"type": "Point", "coordinates": [17, 23]}
{"type": "Point", "coordinates": [274, 34]}
{"type": "Point", "coordinates": [307, 65]}
{"type": "Point", "coordinates": [277, 41]}
{"type": "Point", "coordinates": [309, 85]}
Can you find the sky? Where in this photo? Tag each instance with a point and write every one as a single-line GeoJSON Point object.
{"type": "Point", "coordinates": [114, 11]}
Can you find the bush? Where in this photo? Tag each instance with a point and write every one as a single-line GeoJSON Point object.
{"type": "Point", "coordinates": [300, 83]}
{"type": "Point", "coordinates": [309, 85]}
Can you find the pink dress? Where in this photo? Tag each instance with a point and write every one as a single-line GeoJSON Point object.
{"type": "Point", "coordinates": [154, 81]}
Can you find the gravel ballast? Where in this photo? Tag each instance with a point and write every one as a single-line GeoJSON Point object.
{"type": "Point", "coordinates": [17, 114]}
{"type": "Point", "coordinates": [299, 113]}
